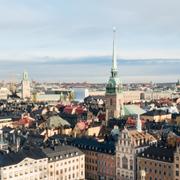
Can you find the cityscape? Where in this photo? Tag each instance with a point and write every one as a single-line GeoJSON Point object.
{"type": "Point", "coordinates": [88, 115]}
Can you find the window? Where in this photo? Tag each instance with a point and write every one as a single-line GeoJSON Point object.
{"type": "Point", "coordinates": [111, 101]}
{"type": "Point", "coordinates": [131, 164]}
{"type": "Point", "coordinates": [177, 173]}
{"type": "Point", "coordinates": [177, 165]}
{"type": "Point", "coordinates": [124, 162]}
{"type": "Point", "coordinates": [118, 162]}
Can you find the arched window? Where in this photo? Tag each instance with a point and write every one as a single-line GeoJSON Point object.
{"type": "Point", "coordinates": [131, 164]}
{"type": "Point", "coordinates": [124, 163]}
{"type": "Point", "coordinates": [118, 162]}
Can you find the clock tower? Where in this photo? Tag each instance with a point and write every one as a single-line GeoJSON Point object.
{"type": "Point", "coordinates": [114, 96]}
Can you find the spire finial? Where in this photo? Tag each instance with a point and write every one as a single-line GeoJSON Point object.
{"type": "Point", "coordinates": [114, 58]}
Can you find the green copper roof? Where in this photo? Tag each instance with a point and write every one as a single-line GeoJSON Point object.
{"type": "Point", "coordinates": [132, 110]}
{"type": "Point", "coordinates": [25, 76]}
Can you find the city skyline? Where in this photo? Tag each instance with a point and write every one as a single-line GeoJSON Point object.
{"type": "Point", "coordinates": [38, 37]}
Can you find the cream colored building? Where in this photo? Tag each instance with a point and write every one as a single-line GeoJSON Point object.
{"type": "Point", "coordinates": [156, 115]}
{"type": "Point", "coordinates": [56, 163]}
{"type": "Point", "coordinates": [133, 96]}
{"type": "Point", "coordinates": [4, 92]}
{"type": "Point", "coordinates": [6, 122]}
{"type": "Point", "coordinates": [65, 163]}
{"type": "Point", "coordinates": [24, 165]}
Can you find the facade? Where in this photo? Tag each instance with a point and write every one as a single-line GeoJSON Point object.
{"type": "Point", "coordinates": [133, 96]}
{"type": "Point", "coordinates": [51, 163]}
{"type": "Point", "coordinates": [26, 91]}
{"type": "Point", "coordinates": [106, 166]}
{"type": "Point", "coordinates": [30, 164]}
{"type": "Point", "coordinates": [5, 121]}
{"type": "Point", "coordinates": [114, 96]}
{"type": "Point", "coordinates": [130, 143]}
{"type": "Point", "coordinates": [100, 159]}
{"type": "Point", "coordinates": [156, 163]}
{"type": "Point", "coordinates": [176, 167]}
{"type": "Point", "coordinates": [156, 115]}
{"type": "Point", "coordinates": [4, 92]}
{"type": "Point", "coordinates": [65, 163]}
{"type": "Point", "coordinates": [149, 95]}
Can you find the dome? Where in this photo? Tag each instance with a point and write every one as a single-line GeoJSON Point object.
{"type": "Point", "coordinates": [114, 85]}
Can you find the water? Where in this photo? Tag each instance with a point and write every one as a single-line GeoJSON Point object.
{"type": "Point", "coordinates": [92, 70]}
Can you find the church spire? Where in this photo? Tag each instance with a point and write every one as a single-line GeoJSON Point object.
{"type": "Point", "coordinates": [138, 123]}
{"type": "Point", "coordinates": [114, 58]}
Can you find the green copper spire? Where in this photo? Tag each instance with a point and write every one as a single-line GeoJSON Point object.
{"type": "Point", "coordinates": [25, 76]}
{"type": "Point", "coordinates": [114, 84]}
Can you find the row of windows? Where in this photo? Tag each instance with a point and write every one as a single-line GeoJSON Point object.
{"type": "Point", "coordinates": [70, 168]}
{"type": "Point", "coordinates": [24, 172]}
{"type": "Point", "coordinates": [69, 176]}
{"type": "Point", "coordinates": [155, 171]}
{"type": "Point", "coordinates": [20, 174]}
{"type": "Point", "coordinates": [158, 164]}
{"type": "Point", "coordinates": [66, 155]}
{"type": "Point", "coordinates": [25, 164]}
{"type": "Point", "coordinates": [66, 162]}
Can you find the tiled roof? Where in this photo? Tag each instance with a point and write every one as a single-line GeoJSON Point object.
{"type": "Point", "coordinates": [159, 153]}
{"type": "Point", "coordinates": [12, 158]}
{"type": "Point", "coordinates": [61, 152]}
{"type": "Point", "coordinates": [155, 112]}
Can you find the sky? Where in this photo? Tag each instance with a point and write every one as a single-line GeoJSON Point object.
{"type": "Point", "coordinates": [48, 30]}
{"type": "Point", "coordinates": [61, 28]}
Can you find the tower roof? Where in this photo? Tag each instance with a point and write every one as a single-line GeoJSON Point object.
{"type": "Point", "coordinates": [114, 84]}
{"type": "Point", "coordinates": [25, 76]}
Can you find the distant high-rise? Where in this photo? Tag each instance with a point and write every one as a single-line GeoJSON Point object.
{"type": "Point", "coordinates": [114, 96]}
{"type": "Point", "coordinates": [26, 92]}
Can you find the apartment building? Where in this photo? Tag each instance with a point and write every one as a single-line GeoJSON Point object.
{"type": "Point", "coordinates": [65, 163]}
{"type": "Point", "coordinates": [28, 163]}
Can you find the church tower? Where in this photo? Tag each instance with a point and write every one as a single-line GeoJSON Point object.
{"type": "Point", "coordinates": [26, 92]}
{"type": "Point", "coordinates": [114, 95]}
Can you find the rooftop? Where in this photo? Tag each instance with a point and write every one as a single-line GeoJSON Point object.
{"type": "Point", "coordinates": [13, 158]}
{"type": "Point", "coordinates": [61, 152]}
{"type": "Point", "coordinates": [159, 153]}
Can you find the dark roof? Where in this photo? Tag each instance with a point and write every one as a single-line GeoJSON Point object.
{"type": "Point", "coordinates": [85, 143]}
{"type": "Point", "coordinates": [94, 145]}
{"type": "Point", "coordinates": [155, 112]}
{"type": "Point", "coordinates": [61, 151]}
{"type": "Point", "coordinates": [159, 153]}
{"type": "Point", "coordinates": [16, 157]}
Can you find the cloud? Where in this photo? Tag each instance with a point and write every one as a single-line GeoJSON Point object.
{"type": "Point", "coordinates": [145, 29]}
